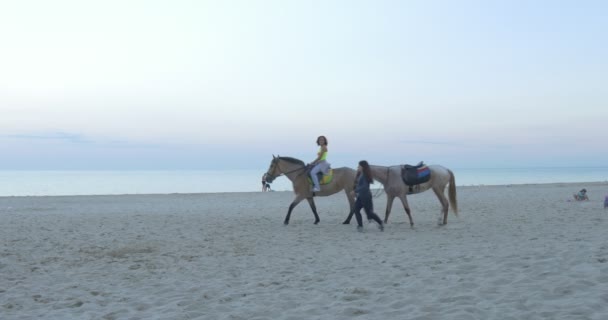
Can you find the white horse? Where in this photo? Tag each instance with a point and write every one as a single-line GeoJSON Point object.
{"type": "Point", "coordinates": [390, 177]}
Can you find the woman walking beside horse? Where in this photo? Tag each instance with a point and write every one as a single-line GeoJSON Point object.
{"type": "Point", "coordinates": [364, 196]}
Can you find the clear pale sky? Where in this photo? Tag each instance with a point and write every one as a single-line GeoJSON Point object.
{"type": "Point", "coordinates": [227, 84]}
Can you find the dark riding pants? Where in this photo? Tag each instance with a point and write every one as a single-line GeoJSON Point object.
{"type": "Point", "coordinates": [364, 201]}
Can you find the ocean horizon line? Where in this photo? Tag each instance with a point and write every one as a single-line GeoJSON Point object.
{"type": "Point", "coordinates": [252, 169]}
{"type": "Point", "coordinates": [113, 182]}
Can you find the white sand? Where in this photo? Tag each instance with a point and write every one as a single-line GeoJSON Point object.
{"type": "Point", "coordinates": [515, 252]}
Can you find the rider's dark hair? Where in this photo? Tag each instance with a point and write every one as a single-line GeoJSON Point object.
{"type": "Point", "coordinates": [319, 138]}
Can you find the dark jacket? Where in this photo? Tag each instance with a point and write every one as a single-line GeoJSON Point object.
{"type": "Point", "coordinates": [362, 186]}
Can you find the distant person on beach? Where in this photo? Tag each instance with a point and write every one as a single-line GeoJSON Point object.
{"type": "Point", "coordinates": [606, 202]}
{"type": "Point", "coordinates": [265, 184]}
{"type": "Point", "coordinates": [364, 196]}
{"type": "Point", "coordinates": [581, 195]}
{"type": "Point", "coordinates": [320, 163]}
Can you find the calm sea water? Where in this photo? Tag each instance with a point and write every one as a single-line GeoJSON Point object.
{"type": "Point", "coordinates": [40, 183]}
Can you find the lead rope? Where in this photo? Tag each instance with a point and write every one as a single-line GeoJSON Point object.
{"type": "Point", "coordinates": [380, 191]}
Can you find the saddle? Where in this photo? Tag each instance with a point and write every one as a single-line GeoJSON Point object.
{"type": "Point", "coordinates": [323, 178]}
{"type": "Point", "coordinates": [412, 176]}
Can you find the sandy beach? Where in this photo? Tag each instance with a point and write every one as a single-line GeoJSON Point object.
{"type": "Point", "coordinates": [514, 252]}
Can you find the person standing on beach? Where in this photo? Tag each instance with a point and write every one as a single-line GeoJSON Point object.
{"type": "Point", "coordinates": [320, 164]}
{"type": "Point", "coordinates": [364, 196]}
{"type": "Point", "coordinates": [265, 184]}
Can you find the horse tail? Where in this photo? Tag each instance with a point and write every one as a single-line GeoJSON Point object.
{"type": "Point", "coordinates": [452, 193]}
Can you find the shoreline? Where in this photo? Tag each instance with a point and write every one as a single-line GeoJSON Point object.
{"type": "Point", "coordinates": [582, 184]}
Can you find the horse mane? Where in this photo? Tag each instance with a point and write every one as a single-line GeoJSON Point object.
{"type": "Point", "coordinates": [293, 160]}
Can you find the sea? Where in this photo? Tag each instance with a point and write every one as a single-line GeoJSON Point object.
{"type": "Point", "coordinates": [62, 183]}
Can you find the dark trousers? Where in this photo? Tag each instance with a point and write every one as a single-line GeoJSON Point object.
{"type": "Point", "coordinates": [364, 201]}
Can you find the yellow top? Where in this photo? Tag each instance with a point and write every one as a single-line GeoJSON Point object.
{"type": "Point", "coordinates": [323, 154]}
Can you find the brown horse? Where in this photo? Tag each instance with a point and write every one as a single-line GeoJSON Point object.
{"type": "Point", "coordinates": [297, 171]}
{"type": "Point", "coordinates": [390, 177]}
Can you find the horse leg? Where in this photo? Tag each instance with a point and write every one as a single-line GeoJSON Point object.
{"type": "Point", "coordinates": [351, 202]}
{"type": "Point", "coordinates": [389, 205]}
{"type": "Point", "coordinates": [311, 202]}
{"type": "Point", "coordinates": [291, 206]}
{"type": "Point", "coordinates": [406, 207]}
{"type": "Point", "coordinates": [350, 216]}
{"type": "Point", "coordinates": [444, 206]}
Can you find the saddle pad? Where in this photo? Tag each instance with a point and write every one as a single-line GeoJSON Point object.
{"type": "Point", "coordinates": [326, 179]}
{"type": "Point", "coordinates": [415, 175]}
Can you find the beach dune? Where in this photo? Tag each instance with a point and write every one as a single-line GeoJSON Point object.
{"type": "Point", "coordinates": [514, 252]}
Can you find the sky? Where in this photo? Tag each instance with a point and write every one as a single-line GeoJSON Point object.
{"type": "Point", "coordinates": [183, 85]}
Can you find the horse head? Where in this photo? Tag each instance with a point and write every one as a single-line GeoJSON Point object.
{"type": "Point", "coordinates": [273, 170]}
{"type": "Point", "coordinates": [283, 165]}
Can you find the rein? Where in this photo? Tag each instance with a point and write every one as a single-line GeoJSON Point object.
{"type": "Point", "coordinates": [288, 172]}
{"type": "Point", "coordinates": [380, 191]}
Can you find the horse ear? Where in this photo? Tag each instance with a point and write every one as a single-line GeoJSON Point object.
{"type": "Point", "coordinates": [273, 156]}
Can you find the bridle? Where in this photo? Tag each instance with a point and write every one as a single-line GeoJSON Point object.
{"type": "Point", "coordinates": [275, 162]}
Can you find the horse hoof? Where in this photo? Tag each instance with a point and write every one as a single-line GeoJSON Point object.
{"type": "Point", "coordinates": [346, 222]}
{"type": "Point", "coordinates": [316, 222]}
{"type": "Point", "coordinates": [285, 222]}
